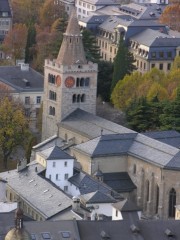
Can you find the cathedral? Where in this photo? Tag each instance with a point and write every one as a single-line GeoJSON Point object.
{"type": "Point", "coordinates": [152, 161]}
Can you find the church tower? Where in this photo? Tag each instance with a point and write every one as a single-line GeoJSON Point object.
{"type": "Point", "coordinates": [70, 82]}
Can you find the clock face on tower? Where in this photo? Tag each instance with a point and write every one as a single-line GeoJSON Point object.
{"type": "Point", "coordinates": [69, 82]}
{"type": "Point", "coordinates": [58, 80]}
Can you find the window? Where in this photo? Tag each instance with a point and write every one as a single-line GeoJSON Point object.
{"type": "Point", "coordinates": [153, 54]}
{"type": "Point", "coordinates": [134, 169]}
{"type": "Point", "coordinates": [52, 95]}
{"type": "Point", "coordinates": [54, 164]}
{"type": "Point", "coordinates": [27, 112]}
{"type": "Point", "coordinates": [152, 65]}
{"type": "Point", "coordinates": [169, 54]}
{"type": "Point", "coordinates": [66, 176]}
{"type": "Point", "coordinates": [65, 188]}
{"type": "Point", "coordinates": [38, 99]}
{"type": "Point", "coordinates": [168, 66]}
{"type": "Point", "coordinates": [116, 213]}
{"type": "Point", "coordinates": [144, 66]}
{"type": "Point", "coordinates": [172, 202]}
{"type": "Point", "coordinates": [52, 111]}
{"type": "Point", "coordinates": [65, 164]}
{"type": "Point", "coordinates": [161, 54]}
{"type": "Point", "coordinates": [27, 100]}
{"type": "Point", "coordinates": [33, 236]}
{"type": "Point", "coordinates": [161, 66]}
{"type": "Point", "coordinates": [51, 78]}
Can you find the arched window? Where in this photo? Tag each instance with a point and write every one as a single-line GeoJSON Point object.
{"type": "Point", "coordinates": [87, 82]}
{"type": "Point", "coordinates": [77, 82]}
{"type": "Point", "coordinates": [82, 82]}
{"type": "Point", "coordinates": [134, 169]}
{"type": "Point", "coordinates": [172, 202]}
{"type": "Point", "coordinates": [157, 198]}
{"type": "Point", "coordinates": [74, 98]}
{"type": "Point", "coordinates": [83, 98]}
{"type": "Point", "coordinates": [147, 190]}
{"type": "Point", "coordinates": [78, 98]}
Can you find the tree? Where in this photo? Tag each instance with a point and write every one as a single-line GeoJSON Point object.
{"type": "Point", "coordinates": [50, 12]}
{"type": "Point", "coordinates": [13, 127]}
{"type": "Point", "coordinates": [26, 11]}
{"type": "Point", "coordinates": [123, 63]}
{"type": "Point", "coordinates": [104, 80]}
{"type": "Point", "coordinates": [171, 15]}
{"type": "Point", "coordinates": [15, 42]}
{"type": "Point", "coordinates": [91, 49]}
{"type": "Point", "coordinates": [30, 44]}
{"type": "Point", "coordinates": [138, 115]}
{"type": "Point", "coordinates": [127, 90]}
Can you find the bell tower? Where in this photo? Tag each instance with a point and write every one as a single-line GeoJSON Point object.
{"type": "Point", "coordinates": [70, 82]}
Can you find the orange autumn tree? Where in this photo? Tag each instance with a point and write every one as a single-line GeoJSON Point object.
{"type": "Point", "coordinates": [171, 15]}
{"type": "Point", "coordinates": [15, 42]}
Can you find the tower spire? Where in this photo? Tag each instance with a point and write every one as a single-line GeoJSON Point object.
{"type": "Point", "coordinates": [72, 50]}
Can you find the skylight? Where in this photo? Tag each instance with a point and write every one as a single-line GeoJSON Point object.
{"type": "Point", "coordinates": [65, 234]}
{"type": "Point", "coordinates": [46, 235]}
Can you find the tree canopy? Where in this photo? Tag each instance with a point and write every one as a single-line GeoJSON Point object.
{"type": "Point", "coordinates": [13, 127]}
{"type": "Point", "coordinates": [123, 63]}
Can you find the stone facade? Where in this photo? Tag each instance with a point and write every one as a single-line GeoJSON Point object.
{"type": "Point", "coordinates": [70, 82]}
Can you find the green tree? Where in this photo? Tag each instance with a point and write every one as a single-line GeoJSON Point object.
{"type": "Point", "coordinates": [170, 118]}
{"type": "Point", "coordinates": [123, 63]}
{"type": "Point", "coordinates": [30, 44]}
{"type": "Point", "coordinates": [138, 115]}
{"type": "Point", "coordinates": [104, 80]}
{"type": "Point", "coordinates": [92, 51]}
{"type": "Point", "coordinates": [32, 141]}
{"type": "Point", "coordinates": [13, 127]}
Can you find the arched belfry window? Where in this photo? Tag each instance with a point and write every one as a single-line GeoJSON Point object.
{"type": "Point", "coordinates": [83, 98]}
{"type": "Point", "coordinates": [78, 98]}
{"type": "Point", "coordinates": [172, 202]}
{"type": "Point", "coordinates": [82, 82]}
{"type": "Point", "coordinates": [77, 82]}
{"type": "Point", "coordinates": [74, 98]}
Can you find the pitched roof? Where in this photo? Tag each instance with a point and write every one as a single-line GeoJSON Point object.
{"type": "Point", "coordinates": [55, 153]}
{"type": "Point", "coordinates": [87, 183]}
{"type": "Point", "coordinates": [97, 197]}
{"type": "Point", "coordinates": [5, 7]}
{"type": "Point", "coordinates": [106, 145]}
{"type": "Point", "coordinates": [43, 196]}
{"type": "Point", "coordinates": [126, 206]}
{"type": "Point", "coordinates": [17, 78]}
{"type": "Point", "coordinates": [170, 137]}
{"type": "Point", "coordinates": [119, 181]}
{"type": "Point", "coordinates": [72, 50]}
{"type": "Point", "coordinates": [91, 126]}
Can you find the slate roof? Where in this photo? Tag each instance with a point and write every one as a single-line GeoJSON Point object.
{"type": "Point", "coordinates": [105, 145]}
{"type": "Point", "coordinates": [55, 153]}
{"type": "Point", "coordinates": [119, 181]}
{"type": "Point", "coordinates": [90, 125]}
{"type": "Point", "coordinates": [40, 193]}
{"type": "Point", "coordinates": [170, 137]}
{"type": "Point", "coordinates": [5, 7]}
{"type": "Point", "coordinates": [88, 184]}
{"type": "Point", "coordinates": [148, 36]}
{"type": "Point", "coordinates": [97, 197]}
{"type": "Point", "coordinates": [94, 19]}
{"type": "Point", "coordinates": [15, 77]}
{"type": "Point", "coordinates": [101, 2]}
{"type": "Point", "coordinates": [137, 145]}
{"type": "Point", "coordinates": [126, 206]}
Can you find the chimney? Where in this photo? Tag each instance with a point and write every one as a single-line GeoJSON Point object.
{"type": "Point", "coordinates": [75, 203]}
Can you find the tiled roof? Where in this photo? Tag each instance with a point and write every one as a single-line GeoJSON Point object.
{"type": "Point", "coordinates": [16, 78]}
{"type": "Point", "coordinates": [43, 196]}
{"type": "Point", "coordinates": [97, 197]}
{"type": "Point", "coordinates": [119, 181]}
{"type": "Point", "coordinates": [54, 153]}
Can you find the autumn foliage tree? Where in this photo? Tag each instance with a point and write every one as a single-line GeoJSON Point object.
{"type": "Point", "coordinates": [13, 127]}
{"type": "Point", "coordinates": [171, 15]}
{"type": "Point", "coordinates": [15, 41]}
